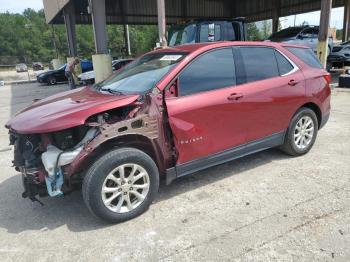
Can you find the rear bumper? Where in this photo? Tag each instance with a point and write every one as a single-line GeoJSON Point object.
{"type": "Point", "coordinates": [324, 120]}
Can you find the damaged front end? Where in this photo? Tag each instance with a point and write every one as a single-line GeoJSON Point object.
{"type": "Point", "coordinates": [54, 159]}
{"type": "Point", "coordinates": [54, 163]}
{"type": "Point", "coordinates": [41, 159]}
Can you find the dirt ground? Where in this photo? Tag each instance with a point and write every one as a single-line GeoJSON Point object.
{"type": "Point", "coordinates": [264, 207]}
{"type": "Point", "coordinates": [12, 75]}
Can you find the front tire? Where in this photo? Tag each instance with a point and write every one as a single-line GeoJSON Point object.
{"type": "Point", "coordinates": [301, 133]}
{"type": "Point", "coordinates": [121, 185]}
{"type": "Point", "coordinates": [52, 81]}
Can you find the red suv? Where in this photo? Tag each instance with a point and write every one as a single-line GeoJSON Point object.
{"type": "Point", "coordinates": [168, 114]}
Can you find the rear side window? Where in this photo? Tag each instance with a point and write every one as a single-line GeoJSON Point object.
{"type": "Point", "coordinates": [210, 71]}
{"type": "Point", "coordinates": [306, 55]}
{"type": "Point", "coordinates": [259, 62]}
{"type": "Point", "coordinates": [230, 33]}
{"type": "Point", "coordinates": [210, 32]}
{"type": "Point", "coordinates": [284, 65]}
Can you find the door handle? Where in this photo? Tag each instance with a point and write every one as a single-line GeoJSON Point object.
{"type": "Point", "coordinates": [235, 96]}
{"type": "Point", "coordinates": [292, 82]}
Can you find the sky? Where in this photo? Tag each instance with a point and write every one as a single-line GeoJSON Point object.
{"type": "Point", "coordinates": [18, 6]}
{"type": "Point", "coordinates": [313, 18]}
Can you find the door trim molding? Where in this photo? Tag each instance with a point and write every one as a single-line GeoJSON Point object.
{"type": "Point", "coordinates": [193, 166]}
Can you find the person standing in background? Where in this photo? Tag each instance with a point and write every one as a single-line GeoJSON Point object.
{"type": "Point", "coordinates": [70, 72]}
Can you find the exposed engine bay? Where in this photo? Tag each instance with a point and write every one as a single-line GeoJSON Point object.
{"type": "Point", "coordinates": [53, 163]}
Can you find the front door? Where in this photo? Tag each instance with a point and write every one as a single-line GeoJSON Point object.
{"type": "Point", "coordinates": [205, 117]}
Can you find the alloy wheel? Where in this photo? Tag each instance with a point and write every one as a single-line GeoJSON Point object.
{"type": "Point", "coordinates": [125, 188]}
{"type": "Point", "coordinates": [52, 81]}
{"type": "Point", "coordinates": [304, 132]}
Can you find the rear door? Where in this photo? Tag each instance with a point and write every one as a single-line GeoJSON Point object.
{"type": "Point", "coordinates": [60, 75]}
{"type": "Point", "coordinates": [205, 117]}
{"type": "Point", "coordinates": [273, 87]}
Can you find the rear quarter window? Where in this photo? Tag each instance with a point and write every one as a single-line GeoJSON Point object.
{"type": "Point", "coordinates": [283, 64]}
{"type": "Point", "coordinates": [306, 55]}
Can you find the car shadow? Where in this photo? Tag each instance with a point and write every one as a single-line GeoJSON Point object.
{"type": "Point", "coordinates": [18, 215]}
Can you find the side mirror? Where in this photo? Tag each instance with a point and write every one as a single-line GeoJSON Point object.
{"type": "Point", "coordinates": [301, 37]}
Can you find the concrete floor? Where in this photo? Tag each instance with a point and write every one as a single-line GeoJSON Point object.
{"type": "Point", "coordinates": [12, 75]}
{"type": "Point", "coordinates": [264, 207]}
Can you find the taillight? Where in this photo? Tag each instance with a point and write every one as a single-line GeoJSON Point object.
{"type": "Point", "coordinates": [328, 78]}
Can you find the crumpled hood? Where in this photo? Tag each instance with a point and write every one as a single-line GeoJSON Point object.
{"type": "Point", "coordinates": [65, 110]}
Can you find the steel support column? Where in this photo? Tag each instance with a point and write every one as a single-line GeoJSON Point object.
{"type": "Point", "coordinates": [161, 22]}
{"type": "Point", "coordinates": [322, 47]}
{"type": "Point", "coordinates": [69, 21]}
{"type": "Point", "coordinates": [97, 9]}
{"type": "Point", "coordinates": [275, 21]}
{"type": "Point", "coordinates": [127, 40]}
{"type": "Point", "coordinates": [101, 60]}
{"type": "Point", "coordinates": [276, 16]}
{"type": "Point", "coordinates": [346, 20]}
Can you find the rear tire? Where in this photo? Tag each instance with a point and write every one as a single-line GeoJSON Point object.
{"type": "Point", "coordinates": [301, 133]}
{"type": "Point", "coordinates": [121, 185]}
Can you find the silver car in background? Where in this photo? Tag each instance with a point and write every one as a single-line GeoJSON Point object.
{"type": "Point", "coordinates": [300, 35]}
{"type": "Point", "coordinates": [21, 68]}
{"type": "Point", "coordinates": [88, 78]}
{"type": "Point", "coordinates": [340, 56]}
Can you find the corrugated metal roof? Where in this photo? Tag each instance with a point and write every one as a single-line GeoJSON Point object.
{"type": "Point", "coordinates": [145, 11]}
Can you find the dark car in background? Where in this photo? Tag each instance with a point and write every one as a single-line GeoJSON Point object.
{"type": "Point", "coordinates": [52, 77]}
{"type": "Point", "coordinates": [200, 31]}
{"type": "Point", "coordinates": [300, 35]}
{"type": "Point", "coordinates": [89, 76]}
{"type": "Point", "coordinates": [340, 56]}
{"type": "Point", "coordinates": [37, 66]}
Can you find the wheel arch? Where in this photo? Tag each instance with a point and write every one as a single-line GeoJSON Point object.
{"type": "Point", "coordinates": [137, 141]}
{"type": "Point", "coordinates": [314, 107]}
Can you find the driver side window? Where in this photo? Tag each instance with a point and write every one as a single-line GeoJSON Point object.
{"type": "Point", "coordinates": [210, 71]}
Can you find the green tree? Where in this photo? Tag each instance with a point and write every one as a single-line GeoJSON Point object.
{"type": "Point", "coordinates": [27, 38]}
{"type": "Point", "coordinates": [266, 29]}
{"type": "Point", "coordinates": [339, 33]}
{"type": "Point", "coordinates": [253, 32]}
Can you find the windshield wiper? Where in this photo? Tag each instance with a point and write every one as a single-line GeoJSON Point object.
{"type": "Point", "coordinates": [111, 91]}
{"type": "Point", "coordinates": [97, 86]}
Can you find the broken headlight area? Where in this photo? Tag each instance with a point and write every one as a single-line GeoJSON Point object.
{"type": "Point", "coordinates": [41, 158]}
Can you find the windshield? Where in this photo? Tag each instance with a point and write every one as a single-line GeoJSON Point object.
{"type": "Point", "coordinates": [185, 34]}
{"type": "Point", "coordinates": [288, 32]}
{"type": "Point", "coordinates": [141, 75]}
{"type": "Point", "coordinates": [62, 67]}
